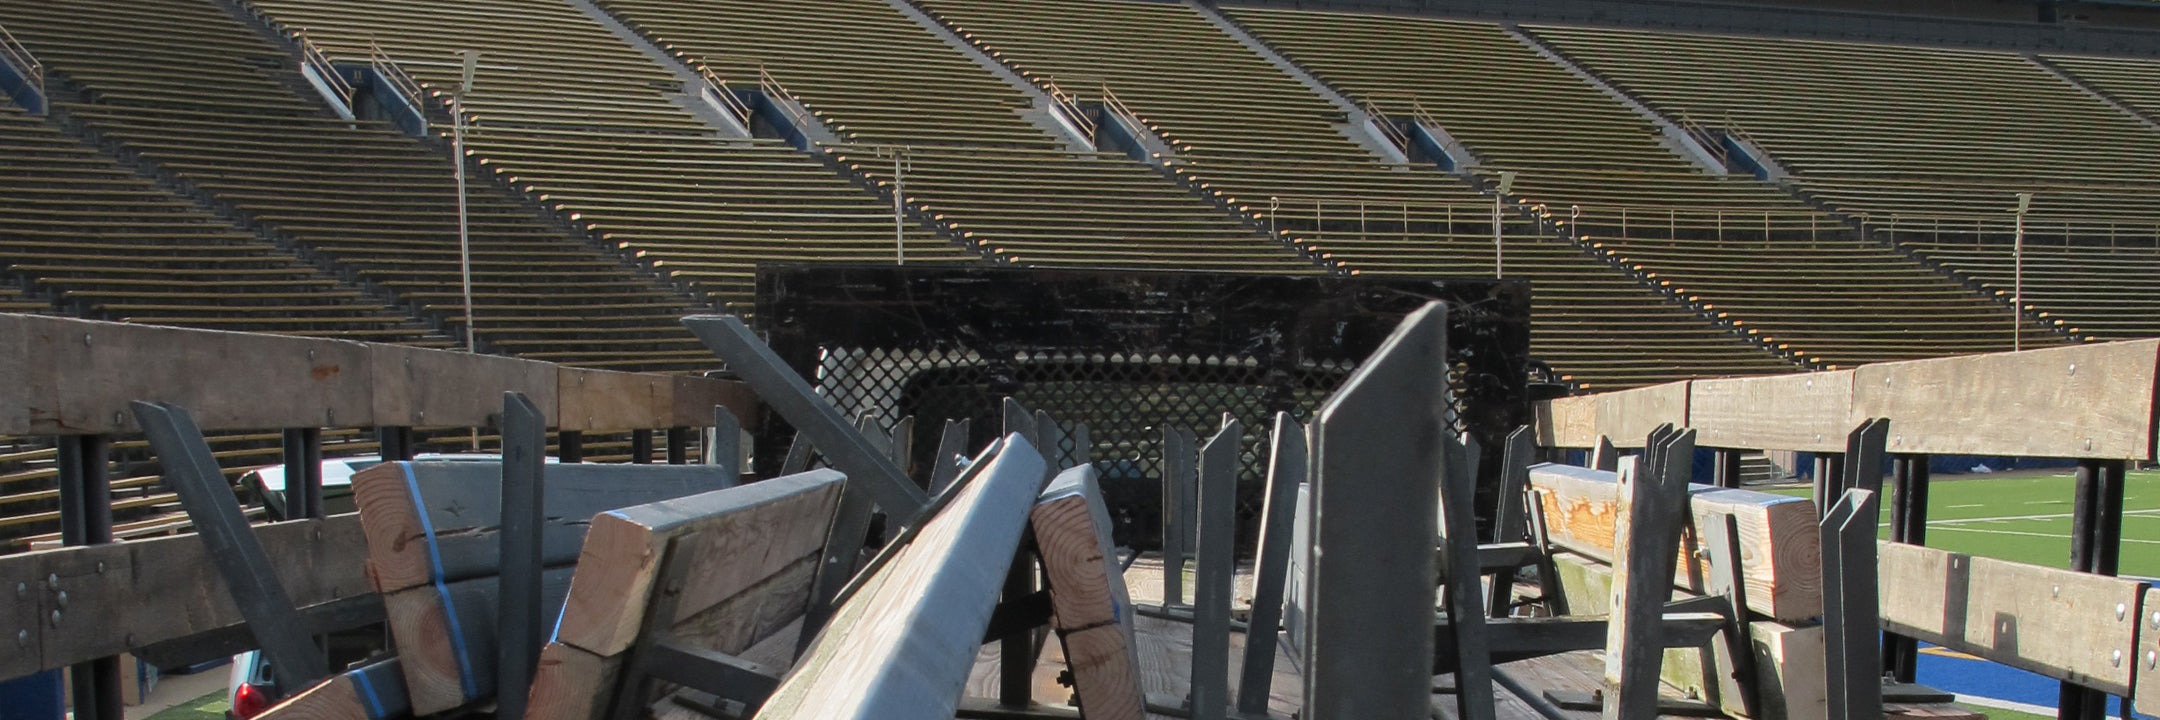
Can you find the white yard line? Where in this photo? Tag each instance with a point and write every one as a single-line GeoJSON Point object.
{"type": "Point", "coordinates": [2049, 516]}
{"type": "Point", "coordinates": [2034, 534]}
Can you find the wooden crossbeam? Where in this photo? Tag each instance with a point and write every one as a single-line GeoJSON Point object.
{"type": "Point", "coordinates": [1779, 540]}
{"type": "Point", "coordinates": [2063, 624]}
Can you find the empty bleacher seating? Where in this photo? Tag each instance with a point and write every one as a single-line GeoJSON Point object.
{"type": "Point", "coordinates": [1918, 143]}
{"type": "Point", "coordinates": [568, 113]}
{"type": "Point", "coordinates": [105, 243]}
{"type": "Point", "coordinates": [377, 204]}
{"type": "Point", "coordinates": [1241, 127]}
{"type": "Point", "coordinates": [970, 158]}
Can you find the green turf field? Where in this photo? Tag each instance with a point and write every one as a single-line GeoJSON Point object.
{"type": "Point", "coordinates": [2027, 519]}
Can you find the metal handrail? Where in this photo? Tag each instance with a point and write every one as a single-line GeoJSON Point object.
{"type": "Point", "coordinates": [399, 80]}
{"type": "Point", "coordinates": [1070, 105]}
{"type": "Point", "coordinates": [19, 56]}
{"type": "Point", "coordinates": [312, 56]}
{"type": "Point", "coordinates": [1387, 126]}
{"type": "Point", "coordinates": [1703, 137]}
{"type": "Point", "coordinates": [770, 86]}
{"type": "Point", "coordinates": [727, 95]}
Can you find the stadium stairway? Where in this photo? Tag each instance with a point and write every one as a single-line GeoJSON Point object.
{"type": "Point", "coordinates": [1240, 126]}
{"type": "Point", "coordinates": [359, 199]}
{"type": "Point", "coordinates": [570, 115]}
{"type": "Point", "coordinates": [969, 157]}
{"type": "Point", "coordinates": [1809, 282]}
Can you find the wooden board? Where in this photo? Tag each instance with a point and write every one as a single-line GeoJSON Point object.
{"type": "Point", "coordinates": [694, 397]}
{"type": "Point", "coordinates": [374, 692]}
{"type": "Point", "coordinates": [743, 536]}
{"type": "Point", "coordinates": [1780, 552]}
{"type": "Point", "coordinates": [2082, 401]}
{"type": "Point", "coordinates": [1788, 659]}
{"type": "Point", "coordinates": [607, 400]}
{"type": "Point", "coordinates": [1628, 416]}
{"type": "Point", "coordinates": [576, 684]}
{"type": "Point", "coordinates": [2062, 624]}
{"type": "Point", "coordinates": [132, 594]}
{"type": "Point", "coordinates": [440, 388]}
{"type": "Point", "coordinates": [16, 365]}
{"type": "Point", "coordinates": [461, 502]}
{"type": "Point", "coordinates": [1569, 422]}
{"type": "Point", "coordinates": [446, 636]}
{"type": "Point", "coordinates": [2147, 659]}
{"type": "Point", "coordinates": [85, 373]}
{"type": "Point", "coordinates": [902, 646]}
{"type": "Point", "coordinates": [1093, 615]}
{"type": "Point", "coordinates": [1808, 411]}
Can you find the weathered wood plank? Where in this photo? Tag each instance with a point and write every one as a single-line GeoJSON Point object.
{"type": "Point", "coordinates": [743, 536]}
{"type": "Point", "coordinates": [374, 692]}
{"type": "Point", "coordinates": [1807, 411]}
{"type": "Point", "coordinates": [902, 645]}
{"type": "Point", "coordinates": [446, 637]}
{"type": "Point", "coordinates": [2066, 625]}
{"type": "Point", "coordinates": [1628, 416]}
{"type": "Point", "coordinates": [1092, 613]}
{"type": "Point", "coordinates": [2084, 401]}
{"type": "Point", "coordinates": [421, 387]}
{"type": "Point", "coordinates": [576, 684]}
{"type": "Point", "coordinates": [429, 521]}
{"type": "Point", "coordinates": [85, 373]}
{"type": "Point", "coordinates": [1569, 422]}
{"type": "Point", "coordinates": [140, 592]}
{"type": "Point", "coordinates": [1780, 552]}
{"type": "Point", "coordinates": [606, 400]}
{"type": "Point", "coordinates": [16, 369]}
{"type": "Point", "coordinates": [693, 399]}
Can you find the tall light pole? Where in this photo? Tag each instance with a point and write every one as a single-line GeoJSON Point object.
{"type": "Point", "coordinates": [1507, 182]}
{"type": "Point", "coordinates": [2017, 275]}
{"type": "Point", "coordinates": [457, 150]}
{"type": "Point", "coordinates": [899, 178]}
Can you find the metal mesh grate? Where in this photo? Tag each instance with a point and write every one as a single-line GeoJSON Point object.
{"type": "Point", "coordinates": [1123, 354]}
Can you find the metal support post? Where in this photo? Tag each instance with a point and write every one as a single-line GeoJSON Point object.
{"type": "Point", "coordinates": [394, 442]}
{"type": "Point", "coordinates": [1646, 548]}
{"type": "Point", "coordinates": [519, 615]}
{"type": "Point", "coordinates": [86, 519]}
{"type": "Point", "coordinates": [1605, 457]}
{"type": "Point", "coordinates": [2095, 547]}
{"type": "Point", "coordinates": [641, 446]}
{"type": "Point", "coordinates": [951, 444]}
{"type": "Point", "coordinates": [678, 446]}
{"type": "Point", "coordinates": [1728, 468]}
{"type": "Point", "coordinates": [1216, 562]}
{"type": "Point", "coordinates": [1908, 524]}
{"type": "Point", "coordinates": [303, 473]}
{"type": "Point", "coordinates": [1286, 470]}
{"type": "Point", "coordinates": [570, 446]}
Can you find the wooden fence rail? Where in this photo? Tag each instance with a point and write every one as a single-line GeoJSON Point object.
{"type": "Point", "coordinates": [2082, 401]}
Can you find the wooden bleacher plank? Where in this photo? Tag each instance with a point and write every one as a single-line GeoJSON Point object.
{"type": "Point", "coordinates": [2084, 401]}
{"type": "Point", "coordinates": [2148, 652]}
{"type": "Point", "coordinates": [437, 521]}
{"type": "Point", "coordinates": [902, 646]}
{"type": "Point", "coordinates": [1809, 411]}
{"type": "Point", "coordinates": [446, 636]}
{"type": "Point", "coordinates": [753, 551]}
{"type": "Point", "coordinates": [1093, 614]}
{"type": "Point", "coordinates": [1778, 536]}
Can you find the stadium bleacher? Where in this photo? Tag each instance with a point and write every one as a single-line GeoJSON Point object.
{"type": "Point", "coordinates": [1244, 128]}
{"type": "Point", "coordinates": [970, 156]}
{"type": "Point", "coordinates": [570, 114]}
{"type": "Point", "coordinates": [105, 243]}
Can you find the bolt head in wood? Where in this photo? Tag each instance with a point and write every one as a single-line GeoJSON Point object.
{"type": "Point", "coordinates": [56, 618]}
{"type": "Point", "coordinates": [22, 638]}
